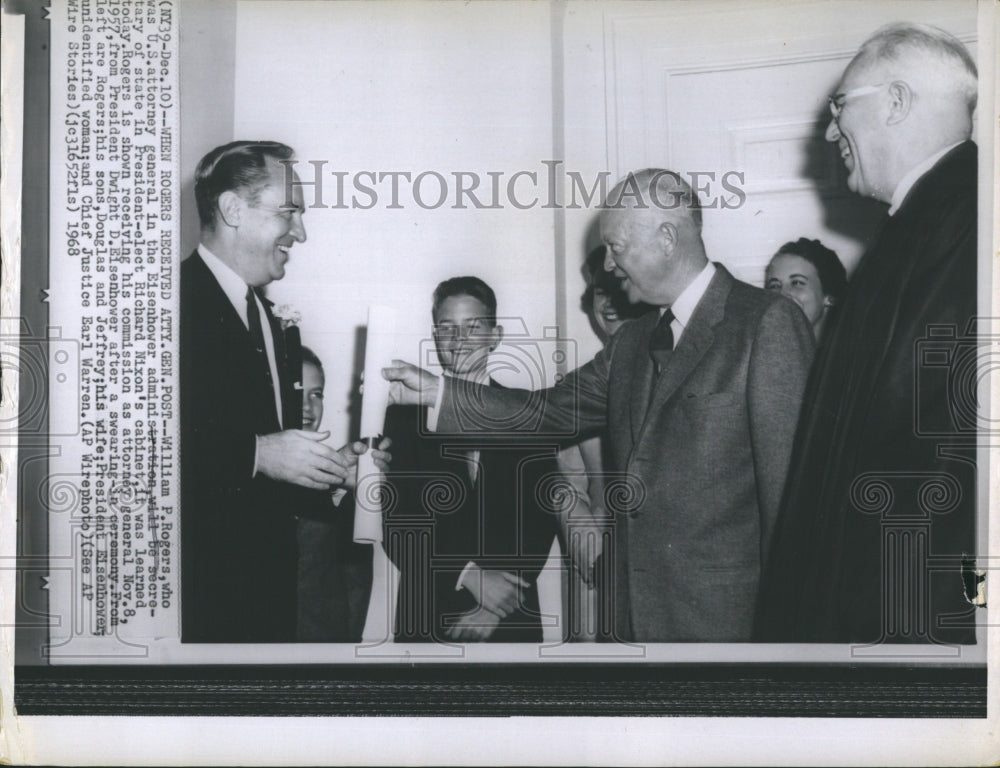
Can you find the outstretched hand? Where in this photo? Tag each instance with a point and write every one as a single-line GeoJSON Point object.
{"type": "Point", "coordinates": [350, 452]}
{"type": "Point", "coordinates": [410, 385]}
{"type": "Point", "coordinates": [300, 457]}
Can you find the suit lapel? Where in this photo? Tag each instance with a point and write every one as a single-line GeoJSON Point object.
{"type": "Point", "coordinates": [695, 342]}
{"type": "Point", "coordinates": [226, 316]}
{"type": "Point", "coordinates": [291, 399]}
{"type": "Point", "coordinates": [641, 374]}
{"type": "Point", "coordinates": [228, 323]}
{"type": "Point", "coordinates": [276, 332]}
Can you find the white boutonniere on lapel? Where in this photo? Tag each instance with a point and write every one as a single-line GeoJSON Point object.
{"type": "Point", "coordinates": [287, 316]}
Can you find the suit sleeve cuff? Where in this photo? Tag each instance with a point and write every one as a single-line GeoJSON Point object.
{"type": "Point", "coordinates": [461, 577]}
{"type": "Point", "coordinates": [434, 412]}
{"type": "Point", "coordinates": [256, 445]}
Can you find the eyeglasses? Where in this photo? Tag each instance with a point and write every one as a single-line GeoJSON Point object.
{"type": "Point", "coordinates": [838, 100]}
{"type": "Point", "coordinates": [461, 332]}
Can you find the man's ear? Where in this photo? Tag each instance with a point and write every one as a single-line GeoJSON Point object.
{"type": "Point", "coordinates": [496, 336]}
{"type": "Point", "coordinates": [231, 207]}
{"type": "Point", "coordinates": [900, 102]}
{"type": "Point", "coordinates": [668, 235]}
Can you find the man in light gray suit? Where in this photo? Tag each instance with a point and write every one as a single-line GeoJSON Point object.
{"type": "Point", "coordinates": [700, 402]}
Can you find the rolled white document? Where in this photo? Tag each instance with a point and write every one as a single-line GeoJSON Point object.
{"type": "Point", "coordinates": [368, 501]}
{"type": "Point", "coordinates": [380, 344]}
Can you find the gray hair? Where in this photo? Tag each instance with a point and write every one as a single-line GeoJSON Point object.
{"type": "Point", "coordinates": [943, 55]}
{"type": "Point", "coordinates": [656, 188]}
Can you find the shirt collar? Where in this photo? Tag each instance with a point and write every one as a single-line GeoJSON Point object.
{"type": "Point", "coordinates": [481, 377]}
{"type": "Point", "coordinates": [685, 304]}
{"type": "Point", "coordinates": [913, 176]}
{"type": "Point", "coordinates": [232, 284]}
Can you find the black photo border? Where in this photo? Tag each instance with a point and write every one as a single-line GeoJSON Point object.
{"type": "Point", "coordinates": [505, 690]}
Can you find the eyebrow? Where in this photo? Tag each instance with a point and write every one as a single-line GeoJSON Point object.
{"type": "Point", "coordinates": [794, 274]}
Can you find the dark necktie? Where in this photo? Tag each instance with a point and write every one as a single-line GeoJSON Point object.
{"type": "Point", "coordinates": [257, 335]}
{"type": "Point", "coordinates": [292, 373]}
{"type": "Point", "coordinates": [661, 343]}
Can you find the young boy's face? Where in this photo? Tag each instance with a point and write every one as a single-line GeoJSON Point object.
{"type": "Point", "coordinates": [464, 335]}
{"type": "Point", "coordinates": [312, 397]}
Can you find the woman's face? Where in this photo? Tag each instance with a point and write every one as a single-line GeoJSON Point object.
{"type": "Point", "coordinates": [605, 314]}
{"type": "Point", "coordinates": [798, 279]}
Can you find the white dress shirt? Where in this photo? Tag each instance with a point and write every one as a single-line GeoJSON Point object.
{"type": "Point", "coordinates": [685, 304]}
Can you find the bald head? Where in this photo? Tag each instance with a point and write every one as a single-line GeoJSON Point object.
{"type": "Point", "coordinates": [651, 225]}
{"type": "Point", "coordinates": [659, 191]}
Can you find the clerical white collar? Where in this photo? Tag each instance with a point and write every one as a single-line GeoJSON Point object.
{"type": "Point", "coordinates": [232, 284]}
{"type": "Point", "coordinates": [911, 178]}
{"type": "Point", "coordinates": [685, 304]}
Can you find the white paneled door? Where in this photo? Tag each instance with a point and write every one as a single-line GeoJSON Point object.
{"type": "Point", "coordinates": [733, 95]}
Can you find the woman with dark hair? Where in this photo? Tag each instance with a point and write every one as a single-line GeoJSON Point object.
{"type": "Point", "coordinates": [811, 275]}
{"type": "Point", "coordinates": [604, 301]}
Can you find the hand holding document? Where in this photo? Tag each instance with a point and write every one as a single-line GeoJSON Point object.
{"type": "Point", "coordinates": [413, 385]}
{"type": "Point", "coordinates": [379, 346]}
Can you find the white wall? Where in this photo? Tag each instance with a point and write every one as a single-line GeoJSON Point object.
{"type": "Point", "coordinates": [585, 137]}
{"type": "Point", "coordinates": [207, 31]}
{"type": "Point", "coordinates": [402, 87]}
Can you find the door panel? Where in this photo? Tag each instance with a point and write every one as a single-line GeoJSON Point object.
{"type": "Point", "coordinates": [741, 89]}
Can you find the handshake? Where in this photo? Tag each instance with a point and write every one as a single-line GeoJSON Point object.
{"type": "Point", "coordinates": [301, 457]}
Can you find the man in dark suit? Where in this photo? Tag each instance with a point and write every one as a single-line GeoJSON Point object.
{"type": "Point", "coordinates": [880, 507]}
{"type": "Point", "coordinates": [469, 527]}
{"type": "Point", "coordinates": [700, 402]}
{"type": "Point", "coordinates": [247, 469]}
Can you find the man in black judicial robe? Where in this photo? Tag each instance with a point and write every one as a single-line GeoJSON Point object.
{"type": "Point", "coordinates": [880, 507]}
